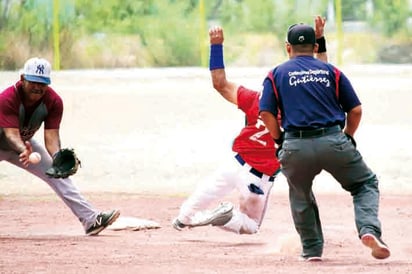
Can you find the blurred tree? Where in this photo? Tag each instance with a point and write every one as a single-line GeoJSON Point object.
{"type": "Point", "coordinates": [27, 24]}
{"type": "Point", "coordinates": [168, 30]}
{"type": "Point", "coordinates": [33, 18]}
{"type": "Point", "coordinates": [112, 15]}
{"type": "Point", "coordinates": [391, 17]}
{"type": "Point", "coordinates": [353, 10]}
{"type": "Point", "coordinates": [4, 9]}
{"type": "Point", "coordinates": [162, 26]}
{"type": "Point", "coordinates": [269, 16]}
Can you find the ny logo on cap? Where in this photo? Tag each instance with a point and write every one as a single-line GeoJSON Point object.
{"type": "Point", "coordinates": [40, 69]}
{"type": "Point", "coordinates": [301, 38]}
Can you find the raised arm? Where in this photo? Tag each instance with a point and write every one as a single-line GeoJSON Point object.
{"type": "Point", "coordinates": [217, 70]}
{"type": "Point", "coordinates": [320, 38]}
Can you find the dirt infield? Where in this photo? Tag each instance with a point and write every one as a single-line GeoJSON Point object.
{"type": "Point", "coordinates": [39, 235]}
{"type": "Point", "coordinates": [146, 137]}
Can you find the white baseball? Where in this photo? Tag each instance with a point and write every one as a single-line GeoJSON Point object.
{"type": "Point", "coordinates": [34, 158]}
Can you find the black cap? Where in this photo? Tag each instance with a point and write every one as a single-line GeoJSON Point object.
{"type": "Point", "coordinates": [299, 34]}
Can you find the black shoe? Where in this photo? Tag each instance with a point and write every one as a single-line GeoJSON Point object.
{"type": "Point", "coordinates": [103, 220]}
{"type": "Point", "coordinates": [379, 249]}
{"type": "Point", "coordinates": [178, 225]}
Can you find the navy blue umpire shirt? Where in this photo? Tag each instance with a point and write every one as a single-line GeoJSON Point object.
{"type": "Point", "coordinates": [309, 90]}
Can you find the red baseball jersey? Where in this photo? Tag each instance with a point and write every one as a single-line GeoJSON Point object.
{"type": "Point", "coordinates": [13, 114]}
{"type": "Point", "coordinates": [254, 143]}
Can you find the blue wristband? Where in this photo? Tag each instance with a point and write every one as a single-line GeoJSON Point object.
{"type": "Point", "coordinates": [216, 57]}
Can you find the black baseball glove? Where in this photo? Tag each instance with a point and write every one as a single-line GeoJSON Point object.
{"type": "Point", "coordinates": [65, 163]}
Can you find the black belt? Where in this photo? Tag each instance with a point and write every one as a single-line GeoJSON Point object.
{"type": "Point", "coordinates": [311, 133]}
{"type": "Point", "coordinates": [253, 170]}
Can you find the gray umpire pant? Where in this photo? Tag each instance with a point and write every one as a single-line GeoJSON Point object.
{"type": "Point", "coordinates": [304, 158]}
{"type": "Point", "coordinates": [64, 188]}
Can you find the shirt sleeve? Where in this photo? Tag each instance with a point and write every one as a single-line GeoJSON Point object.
{"type": "Point", "coordinates": [245, 98]}
{"type": "Point", "coordinates": [347, 95]}
{"type": "Point", "coordinates": [267, 101]}
{"type": "Point", "coordinates": [9, 113]}
{"type": "Point", "coordinates": [54, 117]}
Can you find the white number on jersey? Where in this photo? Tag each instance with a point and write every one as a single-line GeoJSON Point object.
{"type": "Point", "coordinates": [255, 137]}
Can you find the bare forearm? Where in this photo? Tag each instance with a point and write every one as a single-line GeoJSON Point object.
{"type": "Point", "coordinates": [353, 119]}
{"type": "Point", "coordinates": [322, 56]}
{"type": "Point", "coordinates": [227, 89]}
{"type": "Point", "coordinates": [14, 139]}
{"type": "Point", "coordinates": [52, 141]}
{"type": "Point", "coordinates": [218, 78]}
{"type": "Point", "coordinates": [271, 124]}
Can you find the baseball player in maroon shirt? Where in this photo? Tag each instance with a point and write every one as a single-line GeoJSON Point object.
{"type": "Point", "coordinates": [252, 170]}
{"type": "Point", "coordinates": [24, 107]}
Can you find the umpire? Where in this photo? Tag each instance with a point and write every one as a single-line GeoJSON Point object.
{"type": "Point", "coordinates": [316, 101]}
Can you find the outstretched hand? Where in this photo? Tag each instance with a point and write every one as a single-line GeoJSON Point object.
{"type": "Point", "coordinates": [216, 35]}
{"type": "Point", "coordinates": [319, 26]}
{"type": "Point", "coordinates": [24, 156]}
